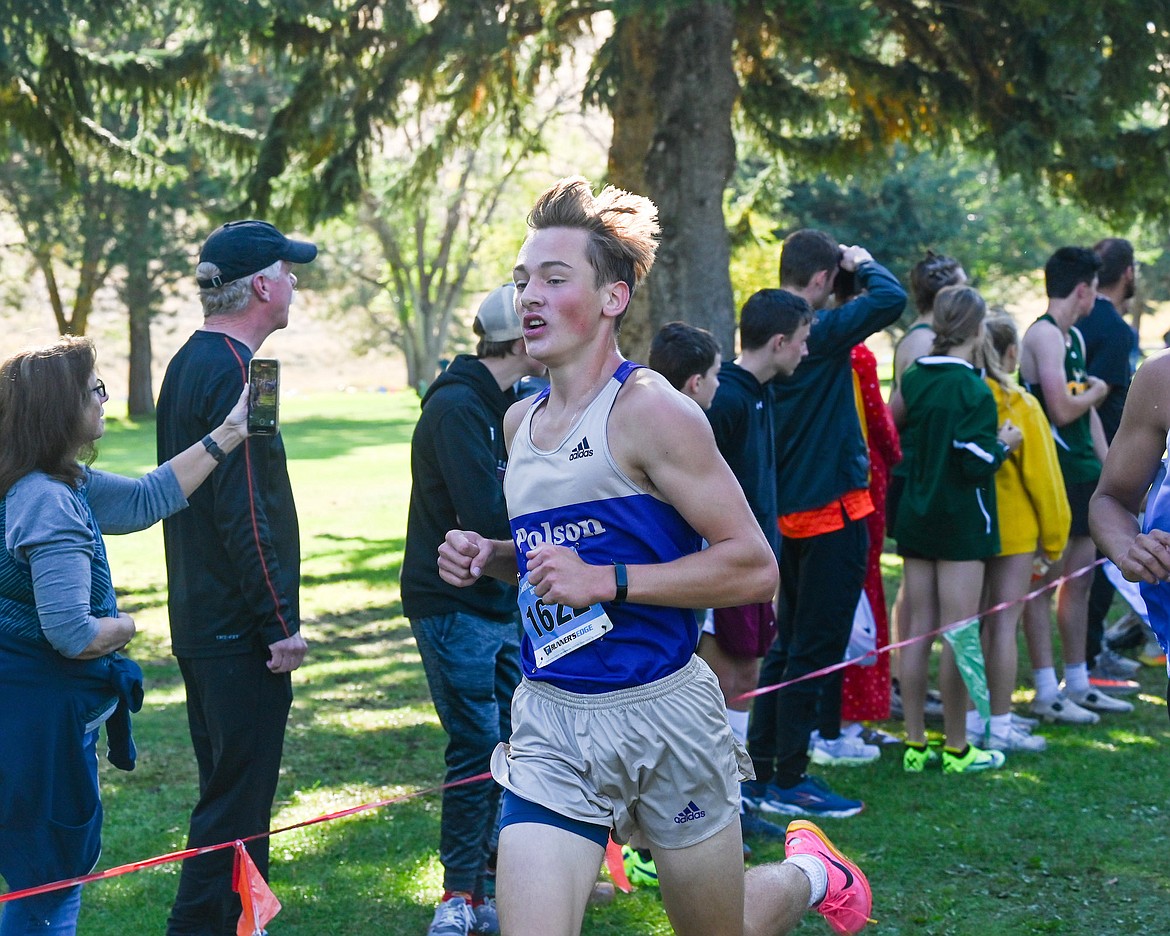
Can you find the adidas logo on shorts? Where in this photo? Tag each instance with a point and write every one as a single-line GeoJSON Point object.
{"type": "Point", "coordinates": [581, 449]}
{"type": "Point", "coordinates": [691, 813]}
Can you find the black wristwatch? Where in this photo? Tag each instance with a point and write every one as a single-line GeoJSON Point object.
{"type": "Point", "coordinates": [619, 574]}
{"type": "Point", "coordinates": [214, 450]}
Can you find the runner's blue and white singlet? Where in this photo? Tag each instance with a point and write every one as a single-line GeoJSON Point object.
{"type": "Point", "coordinates": [1157, 597]}
{"type": "Point", "coordinates": [575, 495]}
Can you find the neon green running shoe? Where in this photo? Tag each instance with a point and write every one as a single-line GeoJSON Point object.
{"type": "Point", "coordinates": [971, 759]}
{"type": "Point", "coordinates": [640, 867]}
{"type": "Point", "coordinates": [916, 760]}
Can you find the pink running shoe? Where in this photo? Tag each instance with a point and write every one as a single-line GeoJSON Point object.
{"type": "Point", "coordinates": [848, 901]}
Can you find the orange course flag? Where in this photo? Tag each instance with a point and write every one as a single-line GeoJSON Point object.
{"type": "Point", "coordinates": [617, 867]}
{"type": "Point", "coordinates": [259, 903]}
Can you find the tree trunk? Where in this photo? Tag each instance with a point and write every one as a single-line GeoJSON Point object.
{"type": "Point", "coordinates": [415, 352]}
{"type": "Point", "coordinates": [688, 166]}
{"type": "Point", "coordinates": [137, 250]}
{"type": "Point", "coordinates": [637, 40]}
{"type": "Point", "coordinates": [672, 142]}
{"type": "Point", "coordinates": [44, 259]}
{"type": "Point", "coordinates": [137, 293]}
{"type": "Point", "coordinates": [97, 240]}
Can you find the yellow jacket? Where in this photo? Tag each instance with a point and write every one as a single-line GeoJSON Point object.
{"type": "Point", "coordinates": [1029, 488]}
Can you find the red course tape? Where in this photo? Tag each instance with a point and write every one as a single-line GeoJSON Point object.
{"type": "Point", "coordinates": [366, 807]}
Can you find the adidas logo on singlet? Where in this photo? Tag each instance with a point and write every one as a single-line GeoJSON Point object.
{"type": "Point", "coordinates": [691, 813]}
{"type": "Point", "coordinates": [581, 449]}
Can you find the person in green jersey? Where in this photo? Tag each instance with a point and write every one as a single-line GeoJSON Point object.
{"type": "Point", "coordinates": [1052, 366]}
{"type": "Point", "coordinates": [947, 516]}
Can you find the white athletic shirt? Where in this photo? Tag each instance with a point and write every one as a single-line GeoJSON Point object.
{"type": "Point", "coordinates": [575, 495]}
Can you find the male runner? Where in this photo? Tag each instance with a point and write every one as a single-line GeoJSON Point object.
{"type": "Point", "coordinates": [613, 481]}
{"type": "Point", "coordinates": [1135, 471]}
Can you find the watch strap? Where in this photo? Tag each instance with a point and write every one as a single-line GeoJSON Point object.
{"type": "Point", "coordinates": [213, 449]}
{"type": "Point", "coordinates": [623, 582]}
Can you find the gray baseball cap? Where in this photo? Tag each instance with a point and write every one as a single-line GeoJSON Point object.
{"type": "Point", "coordinates": [497, 315]}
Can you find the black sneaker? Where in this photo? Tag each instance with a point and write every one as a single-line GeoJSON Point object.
{"type": "Point", "coordinates": [933, 707]}
{"type": "Point", "coordinates": [753, 826]}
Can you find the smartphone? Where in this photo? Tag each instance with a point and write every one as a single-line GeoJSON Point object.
{"type": "Point", "coordinates": [263, 396]}
{"type": "Point", "coordinates": [845, 285]}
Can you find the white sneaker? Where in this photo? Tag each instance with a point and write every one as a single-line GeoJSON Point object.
{"type": "Point", "coordinates": [453, 917]}
{"type": "Point", "coordinates": [1060, 708]}
{"type": "Point", "coordinates": [1017, 740]}
{"type": "Point", "coordinates": [1097, 701]}
{"type": "Point", "coordinates": [1024, 723]}
{"type": "Point", "coordinates": [1112, 665]}
{"type": "Point", "coordinates": [841, 752]}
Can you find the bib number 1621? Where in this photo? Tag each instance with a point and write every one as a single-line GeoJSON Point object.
{"type": "Point", "coordinates": [546, 619]}
{"type": "Point", "coordinates": [555, 629]}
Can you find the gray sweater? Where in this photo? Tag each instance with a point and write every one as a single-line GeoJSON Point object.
{"type": "Point", "coordinates": [48, 536]}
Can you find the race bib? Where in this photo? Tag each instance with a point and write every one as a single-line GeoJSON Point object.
{"type": "Point", "coordinates": [555, 629]}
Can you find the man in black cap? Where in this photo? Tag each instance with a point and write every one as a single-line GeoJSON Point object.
{"type": "Point", "coordinates": [233, 564]}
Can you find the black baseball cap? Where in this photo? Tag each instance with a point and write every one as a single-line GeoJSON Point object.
{"type": "Point", "coordinates": [241, 248]}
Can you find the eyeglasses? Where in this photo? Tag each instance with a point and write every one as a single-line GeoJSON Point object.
{"type": "Point", "coordinates": [100, 390]}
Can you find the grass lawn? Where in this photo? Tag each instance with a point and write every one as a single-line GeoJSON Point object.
{"type": "Point", "coordinates": [1069, 841]}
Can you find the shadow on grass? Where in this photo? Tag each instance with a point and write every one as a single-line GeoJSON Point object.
{"type": "Point", "coordinates": [371, 642]}
{"type": "Point", "coordinates": [379, 857]}
{"type": "Point", "coordinates": [371, 564]}
{"type": "Point", "coordinates": [142, 598]}
{"type": "Point", "coordinates": [362, 730]}
{"type": "Point", "coordinates": [353, 560]}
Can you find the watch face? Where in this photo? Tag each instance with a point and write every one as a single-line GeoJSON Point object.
{"type": "Point", "coordinates": [621, 580]}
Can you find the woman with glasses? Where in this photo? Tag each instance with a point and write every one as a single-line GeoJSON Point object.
{"type": "Point", "coordinates": [61, 674]}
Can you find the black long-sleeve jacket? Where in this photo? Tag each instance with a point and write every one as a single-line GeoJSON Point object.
{"type": "Point", "coordinates": [457, 462]}
{"type": "Point", "coordinates": [233, 556]}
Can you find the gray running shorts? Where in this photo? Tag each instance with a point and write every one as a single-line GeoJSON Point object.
{"type": "Point", "coordinates": [656, 763]}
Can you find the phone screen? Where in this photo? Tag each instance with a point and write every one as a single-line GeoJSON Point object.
{"type": "Point", "coordinates": [263, 396]}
